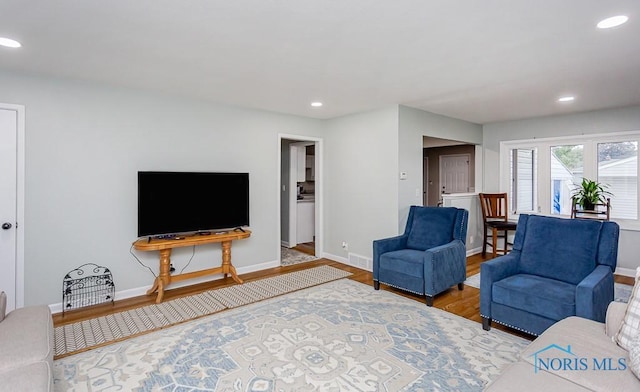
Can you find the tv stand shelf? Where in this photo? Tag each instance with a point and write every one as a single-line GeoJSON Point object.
{"type": "Point", "coordinates": [165, 245]}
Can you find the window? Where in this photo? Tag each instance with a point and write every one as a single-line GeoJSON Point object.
{"type": "Point", "coordinates": [618, 169]}
{"type": "Point", "coordinates": [522, 182]}
{"type": "Point", "coordinates": [566, 169]}
{"type": "Point", "coordinates": [540, 174]}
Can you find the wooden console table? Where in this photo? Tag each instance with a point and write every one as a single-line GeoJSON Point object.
{"type": "Point", "coordinates": [165, 245]}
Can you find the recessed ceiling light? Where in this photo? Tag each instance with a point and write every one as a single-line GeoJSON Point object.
{"type": "Point", "coordinates": [9, 43]}
{"type": "Point", "coordinates": [316, 104]}
{"type": "Point", "coordinates": [612, 22]}
{"type": "Point", "coordinates": [566, 99]}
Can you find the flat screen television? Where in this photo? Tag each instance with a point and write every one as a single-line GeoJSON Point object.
{"type": "Point", "coordinates": [179, 202]}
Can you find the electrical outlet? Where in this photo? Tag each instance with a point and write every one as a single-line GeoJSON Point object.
{"type": "Point", "coordinates": [471, 239]}
{"type": "Point", "coordinates": [345, 245]}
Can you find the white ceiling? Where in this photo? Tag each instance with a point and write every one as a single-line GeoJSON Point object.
{"type": "Point", "coordinates": [480, 61]}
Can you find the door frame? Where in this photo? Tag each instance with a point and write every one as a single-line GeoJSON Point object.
{"type": "Point", "coordinates": [293, 199]}
{"type": "Point", "coordinates": [292, 193]}
{"type": "Point", "coordinates": [20, 148]}
{"type": "Point", "coordinates": [441, 180]}
{"type": "Point", "coordinates": [425, 181]}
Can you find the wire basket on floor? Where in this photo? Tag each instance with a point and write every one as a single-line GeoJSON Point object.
{"type": "Point", "coordinates": [87, 285]}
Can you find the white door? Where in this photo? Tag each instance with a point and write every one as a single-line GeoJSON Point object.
{"type": "Point", "coordinates": [454, 173]}
{"type": "Point", "coordinates": [8, 204]}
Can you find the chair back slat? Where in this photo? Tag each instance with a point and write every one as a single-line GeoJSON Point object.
{"type": "Point", "coordinates": [494, 206]}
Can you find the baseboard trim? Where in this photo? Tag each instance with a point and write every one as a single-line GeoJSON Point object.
{"type": "Point", "coordinates": [138, 291]}
{"type": "Point", "coordinates": [354, 260]}
{"type": "Point", "coordinates": [346, 261]}
{"type": "Point", "coordinates": [630, 272]}
{"type": "Point", "coordinates": [474, 251]}
{"type": "Point", "coordinates": [333, 257]}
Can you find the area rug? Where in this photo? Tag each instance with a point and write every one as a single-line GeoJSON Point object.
{"type": "Point", "coordinates": [82, 335]}
{"type": "Point", "coordinates": [622, 292]}
{"type": "Point", "coordinates": [289, 256]}
{"type": "Point", "coordinates": [339, 336]}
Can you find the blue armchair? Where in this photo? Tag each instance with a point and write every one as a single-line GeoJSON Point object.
{"type": "Point", "coordinates": [429, 257]}
{"type": "Point", "coordinates": [558, 268]}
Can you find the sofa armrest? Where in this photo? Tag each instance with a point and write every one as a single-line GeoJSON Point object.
{"type": "Point", "coordinates": [26, 336]}
{"type": "Point", "coordinates": [386, 245]}
{"type": "Point", "coordinates": [444, 265]}
{"type": "Point", "coordinates": [492, 271]}
{"type": "Point", "coordinates": [615, 315]}
{"type": "Point", "coordinates": [594, 294]}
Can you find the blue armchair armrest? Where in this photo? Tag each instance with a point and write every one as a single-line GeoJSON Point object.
{"type": "Point", "coordinates": [594, 294]}
{"type": "Point", "coordinates": [444, 266]}
{"type": "Point", "coordinates": [386, 245]}
{"type": "Point", "coordinates": [493, 271]}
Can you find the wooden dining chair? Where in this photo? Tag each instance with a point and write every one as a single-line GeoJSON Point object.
{"type": "Point", "coordinates": [495, 213]}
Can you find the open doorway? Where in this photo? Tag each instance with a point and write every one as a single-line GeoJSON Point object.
{"type": "Point", "coordinates": [449, 167]}
{"type": "Point", "coordinates": [300, 199]}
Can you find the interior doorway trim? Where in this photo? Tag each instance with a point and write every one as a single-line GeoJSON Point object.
{"type": "Point", "coordinates": [319, 187]}
{"type": "Point", "coordinates": [20, 110]}
{"type": "Point", "coordinates": [425, 181]}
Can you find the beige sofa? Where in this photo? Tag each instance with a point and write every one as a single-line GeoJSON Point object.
{"type": "Point", "coordinates": [574, 354]}
{"type": "Point", "coordinates": [26, 350]}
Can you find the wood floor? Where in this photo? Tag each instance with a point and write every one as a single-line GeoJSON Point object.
{"type": "Point", "coordinates": [308, 248]}
{"type": "Point", "coordinates": [464, 303]}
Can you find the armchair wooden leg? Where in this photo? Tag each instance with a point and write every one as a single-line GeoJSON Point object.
{"type": "Point", "coordinates": [376, 285]}
{"type": "Point", "coordinates": [460, 286]}
{"type": "Point", "coordinates": [486, 323]}
{"type": "Point", "coordinates": [429, 301]}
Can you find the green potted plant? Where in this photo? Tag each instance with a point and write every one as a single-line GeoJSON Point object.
{"type": "Point", "coordinates": [590, 193]}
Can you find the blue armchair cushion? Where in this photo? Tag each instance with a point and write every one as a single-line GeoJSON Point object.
{"type": "Point", "coordinates": [535, 294]}
{"type": "Point", "coordinates": [431, 227]}
{"type": "Point", "coordinates": [409, 261]}
{"type": "Point", "coordinates": [573, 254]}
{"type": "Point", "coordinates": [403, 269]}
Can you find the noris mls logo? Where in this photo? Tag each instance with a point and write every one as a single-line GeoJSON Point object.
{"type": "Point", "coordinates": [558, 358]}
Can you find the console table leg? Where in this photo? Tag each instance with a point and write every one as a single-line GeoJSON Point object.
{"type": "Point", "coordinates": [160, 291]}
{"type": "Point", "coordinates": [154, 287]}
{"type": "Point", "coordinates": [227, 267]}
{"type": "Point", "coordinates": [234, 275]}
{"type": "Point", "coordinates": [164, 278]}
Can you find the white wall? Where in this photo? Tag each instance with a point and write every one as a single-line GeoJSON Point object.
{"type": "Point", "coordinates": [414, 124]}
{"type": "Point", "coordinates": [475, 226]}
{"type": "Point", "coordinates": [361, 183]}
{"type": "Point", "coordinates": [600, 121]}
{"type": "Point", "coordinates": [86, 142]}
{"type": "Point", "coordinates": [365, 153]}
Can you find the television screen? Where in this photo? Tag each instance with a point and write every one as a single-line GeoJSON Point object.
{"type": "Point", "coordinates": [178, 202]}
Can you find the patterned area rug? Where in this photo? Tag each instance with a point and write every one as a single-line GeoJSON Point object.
{"type": "Point", "coordinates": [339, 336]}
{"type": "Point", "coordinates": [290, 256]}
{"type": "Point", "coordinates": [622, 292]}
{"type": "Point", "coordinates": [98, 331]}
